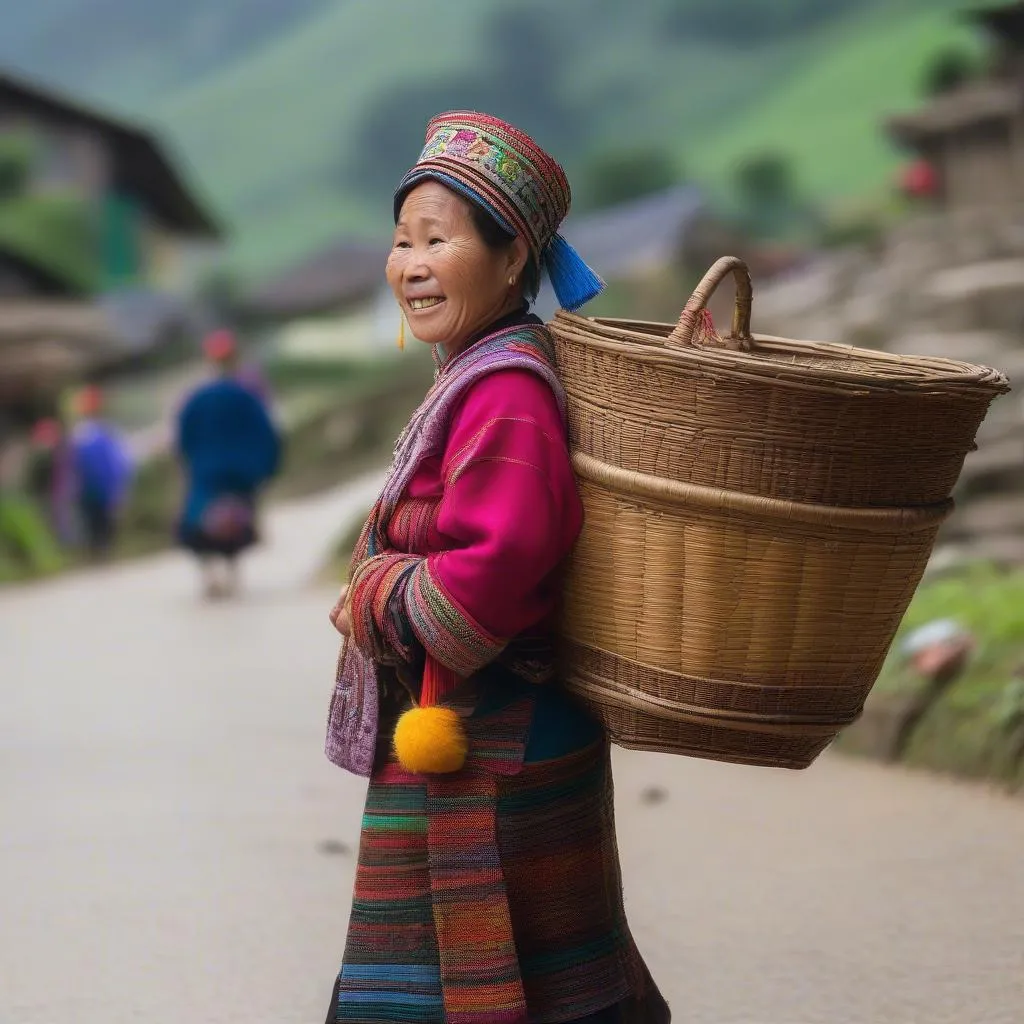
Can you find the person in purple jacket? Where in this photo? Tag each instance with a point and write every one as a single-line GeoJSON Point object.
{"type": "Point", "coordinates": [104, 470]}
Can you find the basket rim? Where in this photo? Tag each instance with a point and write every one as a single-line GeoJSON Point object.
{"type": "Point", "coordinates": [935, 373]}
{"type": "Point", "coordinates": [632, 483]}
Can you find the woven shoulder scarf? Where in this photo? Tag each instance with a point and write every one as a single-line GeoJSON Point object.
{"type": "Point", "coordinates": [353, 717]}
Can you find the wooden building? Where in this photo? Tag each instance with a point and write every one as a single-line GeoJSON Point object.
{"type": "Point", "coordinates": [973, 135]}
{"type": "Point", "coordinates": [142, 221]}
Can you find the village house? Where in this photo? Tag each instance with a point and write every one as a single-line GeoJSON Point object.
{"type": "Point", "coordinates": [972, 136]}
{"type": "Point", "coordinates": [146, 224]}
{"type": "Point", "coordinates": [337, 299]}
{"type": "Point", "coordinates": [101, 242]}
{"type": "Point", "coordinates": [101, 239]}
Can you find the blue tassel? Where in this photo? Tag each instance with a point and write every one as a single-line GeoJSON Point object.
{"type": "Point", "coordinates": [574, 282]}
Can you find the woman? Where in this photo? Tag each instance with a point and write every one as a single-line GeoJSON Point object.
{"type": "Point", "coordinates": [488, 884]}
{"type": "Point", "coordinates": [229, 449]}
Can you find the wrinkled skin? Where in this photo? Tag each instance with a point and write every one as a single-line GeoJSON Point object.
{"type": "Point", "coordinates": [438, 254]}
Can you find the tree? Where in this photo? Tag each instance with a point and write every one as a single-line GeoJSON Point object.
{"type": "Point", "coordinates": [771, 204]}
{"type": "Point", "coordinates": [525, 58]}
{"type": "Point", "coordinates": [16, 153]}
{"type": "Point", "coordinates": [518, 80]}
{"type": "Point", "coordinates": [948, 70]}
{"type": "Point", "coordinates": [766, 178]}
{"type": "Point", "coordinates": [390, 132]}
{"type": "Point", "coordinates": [56, 235]}
{"type": "Point", "coordinates": [617, 176]}
{"type": "Point", "coordinates": [750, 21]}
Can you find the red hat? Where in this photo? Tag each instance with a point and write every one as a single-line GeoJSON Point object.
{"type": "Point", "coordinates": [220, 346]}
{"type": "Point", "coordinates": [89, 401]}
{"type": "Point", "coordinates": [919, 179]}
{"type": "Point", "coordinates": [46, 432]}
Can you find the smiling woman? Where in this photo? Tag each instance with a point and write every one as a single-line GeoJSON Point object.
{"type": "Point", "coordinates": [449, 282]}
{"type": "Point", "coordinates": [488, 887]}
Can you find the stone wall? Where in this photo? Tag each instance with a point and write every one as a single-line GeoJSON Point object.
{"type": "Point", "coordinates": [939, 285]}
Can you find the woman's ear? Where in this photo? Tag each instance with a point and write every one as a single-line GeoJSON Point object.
{"type": "Point", "coordinates": [519, 255]}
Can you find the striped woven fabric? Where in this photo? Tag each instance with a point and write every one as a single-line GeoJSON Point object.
{"type": "Point", "coordinates": [447, 631]}
{"type": "Point", "coordinates": [375, 629]}
{"type": "Point", "coordinates": [491, 896]}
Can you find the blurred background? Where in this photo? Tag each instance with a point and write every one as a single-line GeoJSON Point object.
{"type": "Point", "coordinates": [170, 168]}
{"type": "Point", "coordinates": [174, 168]}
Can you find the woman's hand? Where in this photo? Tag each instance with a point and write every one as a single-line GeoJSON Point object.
{"type": "Point", "coordinates": [339, 616]}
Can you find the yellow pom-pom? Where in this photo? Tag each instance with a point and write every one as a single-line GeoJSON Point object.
{"type": "Point", "coordinates": [431, 741]}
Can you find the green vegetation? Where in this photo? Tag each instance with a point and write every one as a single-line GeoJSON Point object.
{"type": "Point", "coordinates": [749, 23]}
{"type": "Point", "coordinates": [621, 175]}
{"type": "Point", "coordinates": [975, 726]}
{"type": "Point", "coordinates": [984, 599]}
{"type": "Point", "coordinates": [827, 119]}
{"type": "Point", "coordinates": [16, 153]}
{"type": "Point", "coordinates": [305, 120]}
{"type": "Point", "coordinates": [948, 70]}
{"type": "Point", "coordinates": [27, 547]}
{"type": "Point", "coordinates": [54, 234]}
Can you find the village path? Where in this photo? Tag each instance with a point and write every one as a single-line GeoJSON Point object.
{"type": "Point", "coordinates": [174, 846]}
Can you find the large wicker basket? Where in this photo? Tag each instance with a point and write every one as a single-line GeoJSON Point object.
{"type": "Point", "coordinates": [759, 513]}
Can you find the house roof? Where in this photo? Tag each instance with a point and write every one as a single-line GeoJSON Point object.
{"type": "Point", "coordinates": [342, 273]}
{"type": "Point", "coordinates": [42, 339]}
{"type": "Point", "coordinates": [974, 104]}
{"type": "Point", "coordinates": [613, 241]}
{"type": "Point", "coordinates": [642, 232]}
{"type": "Point", "coordinates": [140, 160]}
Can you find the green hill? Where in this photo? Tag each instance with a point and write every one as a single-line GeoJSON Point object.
{"type": "Point", "coordinates": [299, 125]}
{"type": "Point", "coordinates": [827, 117]}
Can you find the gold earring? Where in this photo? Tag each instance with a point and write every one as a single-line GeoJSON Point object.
{"type": "Point", "coordinates": [512, 281]}
{"type": "Point", "coordinates": [401, 331]}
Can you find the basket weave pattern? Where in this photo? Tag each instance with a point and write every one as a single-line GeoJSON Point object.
{"type": "Point", "coordinates": [757, 518]}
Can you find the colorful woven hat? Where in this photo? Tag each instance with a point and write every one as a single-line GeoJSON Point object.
{"type": "Point", "coordinates": [525, 190]}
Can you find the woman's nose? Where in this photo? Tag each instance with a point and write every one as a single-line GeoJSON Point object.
{"type": "Point", "coordinates": [416, 270]}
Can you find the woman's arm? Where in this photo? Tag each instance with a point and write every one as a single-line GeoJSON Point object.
{"type": "Point", "coordinates": [509, 516]}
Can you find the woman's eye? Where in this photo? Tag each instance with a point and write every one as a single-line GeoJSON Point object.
{"type": "Point", "coordinates": [436, 241]}
{"type": "Point", "coordinates": [401, 245]}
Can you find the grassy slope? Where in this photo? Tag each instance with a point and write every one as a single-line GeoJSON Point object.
{"type": "Point", "coordinates": [828, 116]}
{"type": "Point", "coordinates": [975, 727]}
{"type": "Point", "coordinates": [268, 133]}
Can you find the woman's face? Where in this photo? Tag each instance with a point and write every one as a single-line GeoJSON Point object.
{"type": "Point", "coordinates": [449, 284]}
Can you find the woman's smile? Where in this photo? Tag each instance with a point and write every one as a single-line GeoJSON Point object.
{"type": "Point", "coordinates": [425, 303]}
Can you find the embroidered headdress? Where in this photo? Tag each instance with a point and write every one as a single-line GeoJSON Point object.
{"type": "Point", "coordinates": [525, 190]}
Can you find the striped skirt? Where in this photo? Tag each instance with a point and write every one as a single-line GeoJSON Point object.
{"type": "Point", "coordinates": [492, 895]}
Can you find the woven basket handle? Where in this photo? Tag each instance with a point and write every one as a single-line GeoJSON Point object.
{"type": "Point", "coordinates": [739, 338]}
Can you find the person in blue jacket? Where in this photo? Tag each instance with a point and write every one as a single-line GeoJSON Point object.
{"type": "Point", "coordinates": [229, 449]}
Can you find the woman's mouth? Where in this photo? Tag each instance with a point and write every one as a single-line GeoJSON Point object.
{"type": "Point", "coordinates": [428, 303]}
